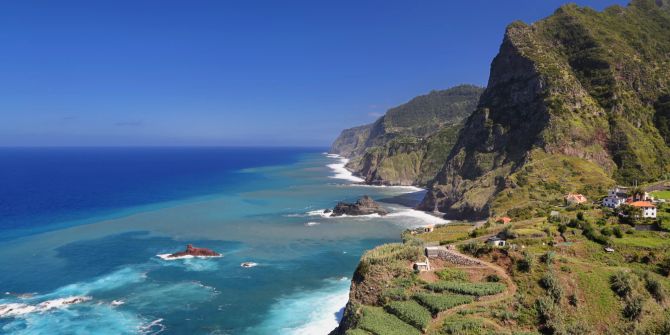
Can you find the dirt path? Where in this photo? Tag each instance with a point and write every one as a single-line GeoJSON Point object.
{"type": "Point", "coordinates": [483, 301]}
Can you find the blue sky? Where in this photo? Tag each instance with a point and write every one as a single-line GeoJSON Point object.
{"type": "Point", "coordinates": [234, 72]}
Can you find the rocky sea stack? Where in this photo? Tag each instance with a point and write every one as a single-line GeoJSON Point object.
{"type": "Point", "coordinates": [195, 252]}
{"type": "Point", "coordinates": [364, 206]}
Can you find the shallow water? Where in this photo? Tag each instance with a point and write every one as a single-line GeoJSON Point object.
{"type": "Point", "coordinates": [268, 216]}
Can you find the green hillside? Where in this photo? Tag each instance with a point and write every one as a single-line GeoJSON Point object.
{"type": "Point", "coordinates": [580, 95]}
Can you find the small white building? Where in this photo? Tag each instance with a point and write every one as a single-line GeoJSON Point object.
{"type": "Point", "coordinates": [616, 197]}
{"type": "Point", "coordinates": [422, 266]}
{"type": "Point", "coordinates": [648, 209]}
{"type": "Point", "coordinates": [496, 242]}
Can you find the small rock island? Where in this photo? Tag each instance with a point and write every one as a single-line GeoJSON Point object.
{"type": "Point", "coordinates": [364, 206]}
{"type": "Point", "coordinates": [195, 252]}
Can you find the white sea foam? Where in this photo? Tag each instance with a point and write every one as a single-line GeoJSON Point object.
{"type": "Point", "coordinates": [307, 313]}
{"type": "Point", "coordinates": [398, 188]}
{"type": "Point", "coordinates": [312, 224]}
{"type": "Point", "coordinates": [418, 218]}
{"type": "Point", "coordinates": [169, 297]}
{"type": "Point", "coordinates": [117, 302]}
{"type": "Point", "coordinates": [153, 327]}
{"type": "Point", "coordinates": [19, 309]}
{"type": "Point", "coordinates": [321, 213]}
{"type": "Point", "coordinates": [85, 319]}
{"type": "Point", "coordinates": [114, 280]}
{"type": "Point", "coordinates": [341, 171]}
{"type": "Point", "coordinates": [248, 264]}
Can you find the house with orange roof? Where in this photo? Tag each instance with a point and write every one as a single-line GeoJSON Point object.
{"type": "Point", "coordinates": [504, 220]}
{"type": "Point", "coordinates": [575, 199]}
{"type": "Point", "coordinates": [648, 209]}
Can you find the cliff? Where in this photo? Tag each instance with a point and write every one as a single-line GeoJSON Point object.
{"type": "Point", "coordinates": [409, 144]}
{"type": "Point", "coordinates": [575, 102]}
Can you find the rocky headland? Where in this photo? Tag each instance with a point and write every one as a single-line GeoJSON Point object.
{"type": "Point", "coordinates": [364, 206]}
{"type": "Point", "coordinates": [195, 252]}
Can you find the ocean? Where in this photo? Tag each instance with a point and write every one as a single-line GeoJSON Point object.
{"type": "Point", "coordinates": [81, 228]}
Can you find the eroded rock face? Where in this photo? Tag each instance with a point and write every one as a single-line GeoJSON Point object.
{"type": "Point", "coordinates": [568, 88]}
{"type": "Point", "coordinates": [196, 252]}
{"type": "Point", "coordinates": [364, 206]}
{"type": "Point", "coordinates": [409, 144]}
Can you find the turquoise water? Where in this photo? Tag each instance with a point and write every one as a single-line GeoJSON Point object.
{"type": "Point", "coordinates": [268, 215]}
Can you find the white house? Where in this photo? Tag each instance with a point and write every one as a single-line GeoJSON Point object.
{"type": "Point", "coordinates": [496, 242]}
{"type": "Point", "coordinates": [648, 209]}
{"type": "Point", "coordinates": [422, 266]}
{"type": "Point", "coordinates": [616, 197]}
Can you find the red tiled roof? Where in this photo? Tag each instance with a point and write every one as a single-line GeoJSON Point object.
{"type": "Point", "coordinates": [504, 219]}
{"type": "Point", "coordinates": [642, 204]}
{"type": "Point", "coordinates": [575, 197]}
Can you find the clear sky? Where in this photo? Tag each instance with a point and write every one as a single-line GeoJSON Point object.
{"type": "Point", "coordinates": [243, 72]}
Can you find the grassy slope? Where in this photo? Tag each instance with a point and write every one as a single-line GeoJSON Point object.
{"type": "Point", "coordinates": [582, 269]}
{"type": "Point", "coordinates": [580, 87]}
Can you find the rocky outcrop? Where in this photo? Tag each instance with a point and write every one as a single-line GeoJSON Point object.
{"type": "Point", "coordinates": [409, 144]}
{"type": "Point", "coordinates": [351, 141]}
{"type": "Point", "coordinates": [364, 206]}
{"type": "Point", "coordinates": [195, 252]}
{"type": "Point", "coordinates": [406, 160]}
{"type": "Point", "coordinates": [570, 98]}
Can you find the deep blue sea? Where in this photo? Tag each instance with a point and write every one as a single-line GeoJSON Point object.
{"type": "Point", "coordinates": [85, 225]}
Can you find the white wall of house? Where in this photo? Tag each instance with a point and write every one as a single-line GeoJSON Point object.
{"type": "Point", "coordinates": [649, 212]}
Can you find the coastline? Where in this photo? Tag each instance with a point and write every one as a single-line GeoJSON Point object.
{"type": "Point", "coordinates": [266, 224]}
{"type": "Point", "coordinates": [341, 172]}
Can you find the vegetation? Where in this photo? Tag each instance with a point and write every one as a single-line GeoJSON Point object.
{"type": "Point", "coordinates": [441, 302]}
{"type": "Point", "coordinates": [411, 312]}
{"type": "Point", "coordinates": [476, 289]}
{"type": "Point", "coordinates": [409, 144]}
{"type": "Point", "coordinates": [462, 326]}
{"type": "Point", "coordinates": [587, 107]}
{"type": "Point", "coordinates": [452, 274]}
{"type": "Point", "coordinates": [377, 321]}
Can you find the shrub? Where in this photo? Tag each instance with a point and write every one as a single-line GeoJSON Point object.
{"type": "Point", "coordinates": [462, 326]}
{"type": "Point", "coordinates": [622, 283]}
{"type": "Point", "coordinates": [411, 312]}
{"type": "Point", "coordinates": [572, 299]}
{"type": "Point", "coordinates": [476, 249]}
{"type": "Point", "coordinates": [393, 294]}
{"type": "Point", "coordinates": [441, 302]}
{"type": "Point", "coordinates": [493, 278]}
{"type": "Point", "coordinates": [562, 229]}
{"type": "Point", "coordinates": [450, 274]}
{"type": "Point", "coordinates": [617, 232]}
{"type": "Point", "coordinates": [580, 216]}
{"type": "Point", "coordinates": [664, 267]}
{"type": "Point", "coordinates": [547, 312]}
{"type": "Point", "coordinates": [526, 263]}
{"type": "Point", "coordinates": [606, 231]}
{"type": "Point", "coordinates": [476, 289]}
{"type": "Point", "coordinates": [377, 321]}
{"type": "Point", "coordinates": [633, 307]}
{"type": "Point", "coordinates": [655, 288]}
{"type": "Point", "coordinates": [552, 285]}
{"type": "Point", "coordinates": [549, 257]}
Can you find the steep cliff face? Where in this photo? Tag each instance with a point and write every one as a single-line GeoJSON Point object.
{"type": "Point", "coordinates": [409, 144]}
{"type": "Point", "coordinates": [351, 140]}
{"type": "Point", "coordinates": [578, 96]}
{"type": "Point", "coordinates": [407, 160]}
